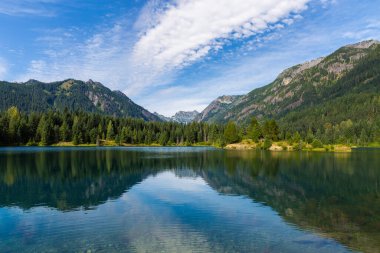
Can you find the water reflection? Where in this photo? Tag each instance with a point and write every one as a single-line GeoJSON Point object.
{"type": "Point", "coordinates": [140, 196]}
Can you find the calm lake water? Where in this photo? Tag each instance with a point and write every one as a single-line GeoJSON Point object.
{"type": "Point", "coordinates": [188, 200]}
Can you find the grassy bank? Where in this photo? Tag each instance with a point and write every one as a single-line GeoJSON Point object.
{"type": "Point", "coordinates": [287, 146]}
{"type": "Point", "coordinates": [106, 143]}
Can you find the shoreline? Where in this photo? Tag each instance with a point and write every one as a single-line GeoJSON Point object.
{"type": "Point", "coordinates": [281, 146]}
{"type": "Point", "coordinates": [288, 147]}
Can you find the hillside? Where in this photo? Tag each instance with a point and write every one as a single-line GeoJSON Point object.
{"type": "Point", "coordinates": [74, 95]}
{"type": "Point", "coordinates": [344, 85]}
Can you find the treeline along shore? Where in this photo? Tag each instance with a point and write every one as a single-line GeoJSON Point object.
{"type": "Point", "coordinates": [66, 128]}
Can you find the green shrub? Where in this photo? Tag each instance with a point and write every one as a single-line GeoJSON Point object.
{"type": "Point", "coordinates": [298, 146]}
{"type": "Point", "coordinates": [317, 144]}
{"type": "Point", "coordinates": [267, 144]}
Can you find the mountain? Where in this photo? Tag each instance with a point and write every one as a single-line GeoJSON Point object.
{"type": "Point", "coordinates": [88, 96]}
{"type": "Point", "coordinates": [344, 85]}
{"type": "Point", "coordinates": [179, 117]}
{"type": "Point", "coordinates": [184, 117]}
{"type": "Point", "coordinates": [162, 117]}
{"type": "Point", "coordinates": [217, 108]}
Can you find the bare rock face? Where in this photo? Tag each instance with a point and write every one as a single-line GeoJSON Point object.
{"type": "Point", "coordinates": [364, 44]}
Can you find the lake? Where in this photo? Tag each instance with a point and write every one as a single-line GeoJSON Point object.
{"type": "Point", "coordinates": [188, 200]}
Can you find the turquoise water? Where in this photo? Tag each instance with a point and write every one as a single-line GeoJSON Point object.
{"type": "Point", "coordinates": [188, 200]}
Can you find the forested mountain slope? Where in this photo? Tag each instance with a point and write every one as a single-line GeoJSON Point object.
{"type": "Point", "coordinates": [342, 86]}
{"type": "Point", "coordinates": [74, 95]}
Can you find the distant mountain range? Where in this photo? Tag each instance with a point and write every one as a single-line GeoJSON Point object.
{"type": "Point", "coordinates": [344, 85]}
{"type": "Point", "coordinates": [180, 117]}
{"type": "Point", "coordinates": [88, 96]}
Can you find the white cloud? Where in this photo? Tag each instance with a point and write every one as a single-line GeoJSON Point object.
{"type": "Point", "coordinates": [144, 57]}
{"type": "Point", "coordinates": [287, 48]}
{"type": "Point", "coordinates": [150, 14]}
{"type": "Point", "coordinates": [103, 56]}
{"type": "Point", "coordinates": [38, 67]}
{"type": "Point", "coordinates": [171, 35]}
{"type": "Point", "coordinates": [27, 7]}
{"type": "Point", "coordinates": [369, 30]}
{"type": "Point", "coordinates": [327, 3]}
{"type": "Point", "coordinates": [187, 31]}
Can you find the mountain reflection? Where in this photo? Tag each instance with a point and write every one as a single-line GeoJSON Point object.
{"type": "Point", "coordinates": [336, 195]}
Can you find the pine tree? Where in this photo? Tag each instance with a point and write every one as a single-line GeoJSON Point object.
{"type": "Point", "coordinates": [100, 130]}
{"type": "Point", "coordinates": [231, 133]}
{"type": "Point", "coordinates": [45, 131]}
{"type": "Point", "coordinates": [254, 130]}
{"type": "Point", "coordinates": [117, 140]}
{"type": "Point", "coordinates": [317, 144]}
{"type": "Point", "coordinates": [363, 139]}
{"type": "Point", "coordinates": [14, 121]}
{"type": "Point", "coordinates": [163, 138]}
{"type": "Point", "coordinates": [97, 141]}
{"type": "Point", "coordinates": [309, 136]}
{"type": "Point", "coordinates": [267, 143]}
{"type": "Point", "coordinates": [296, 137]}
{"type": "Point", "coordinates": [93, 135]}
{"type": "Point", "coordinates": [110, 131]}
{"type": "Point", "coordinates": [271, 129]}
{"type": "Point", "coordinates": [64, 131]}
{"type": "Point", "coordinates": [77, 136]}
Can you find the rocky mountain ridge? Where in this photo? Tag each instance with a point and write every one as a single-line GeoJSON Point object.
{"type": "Point", "coordinates": [219, 105]}
{"type": "Point", "coordinates": [180, 117]}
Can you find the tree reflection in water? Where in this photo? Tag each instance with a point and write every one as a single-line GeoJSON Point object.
{"type": "Point", "coordinates": [337, 195]}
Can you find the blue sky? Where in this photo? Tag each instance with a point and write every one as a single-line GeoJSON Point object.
{"type": "Point", "coordinates": [179, 54]}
